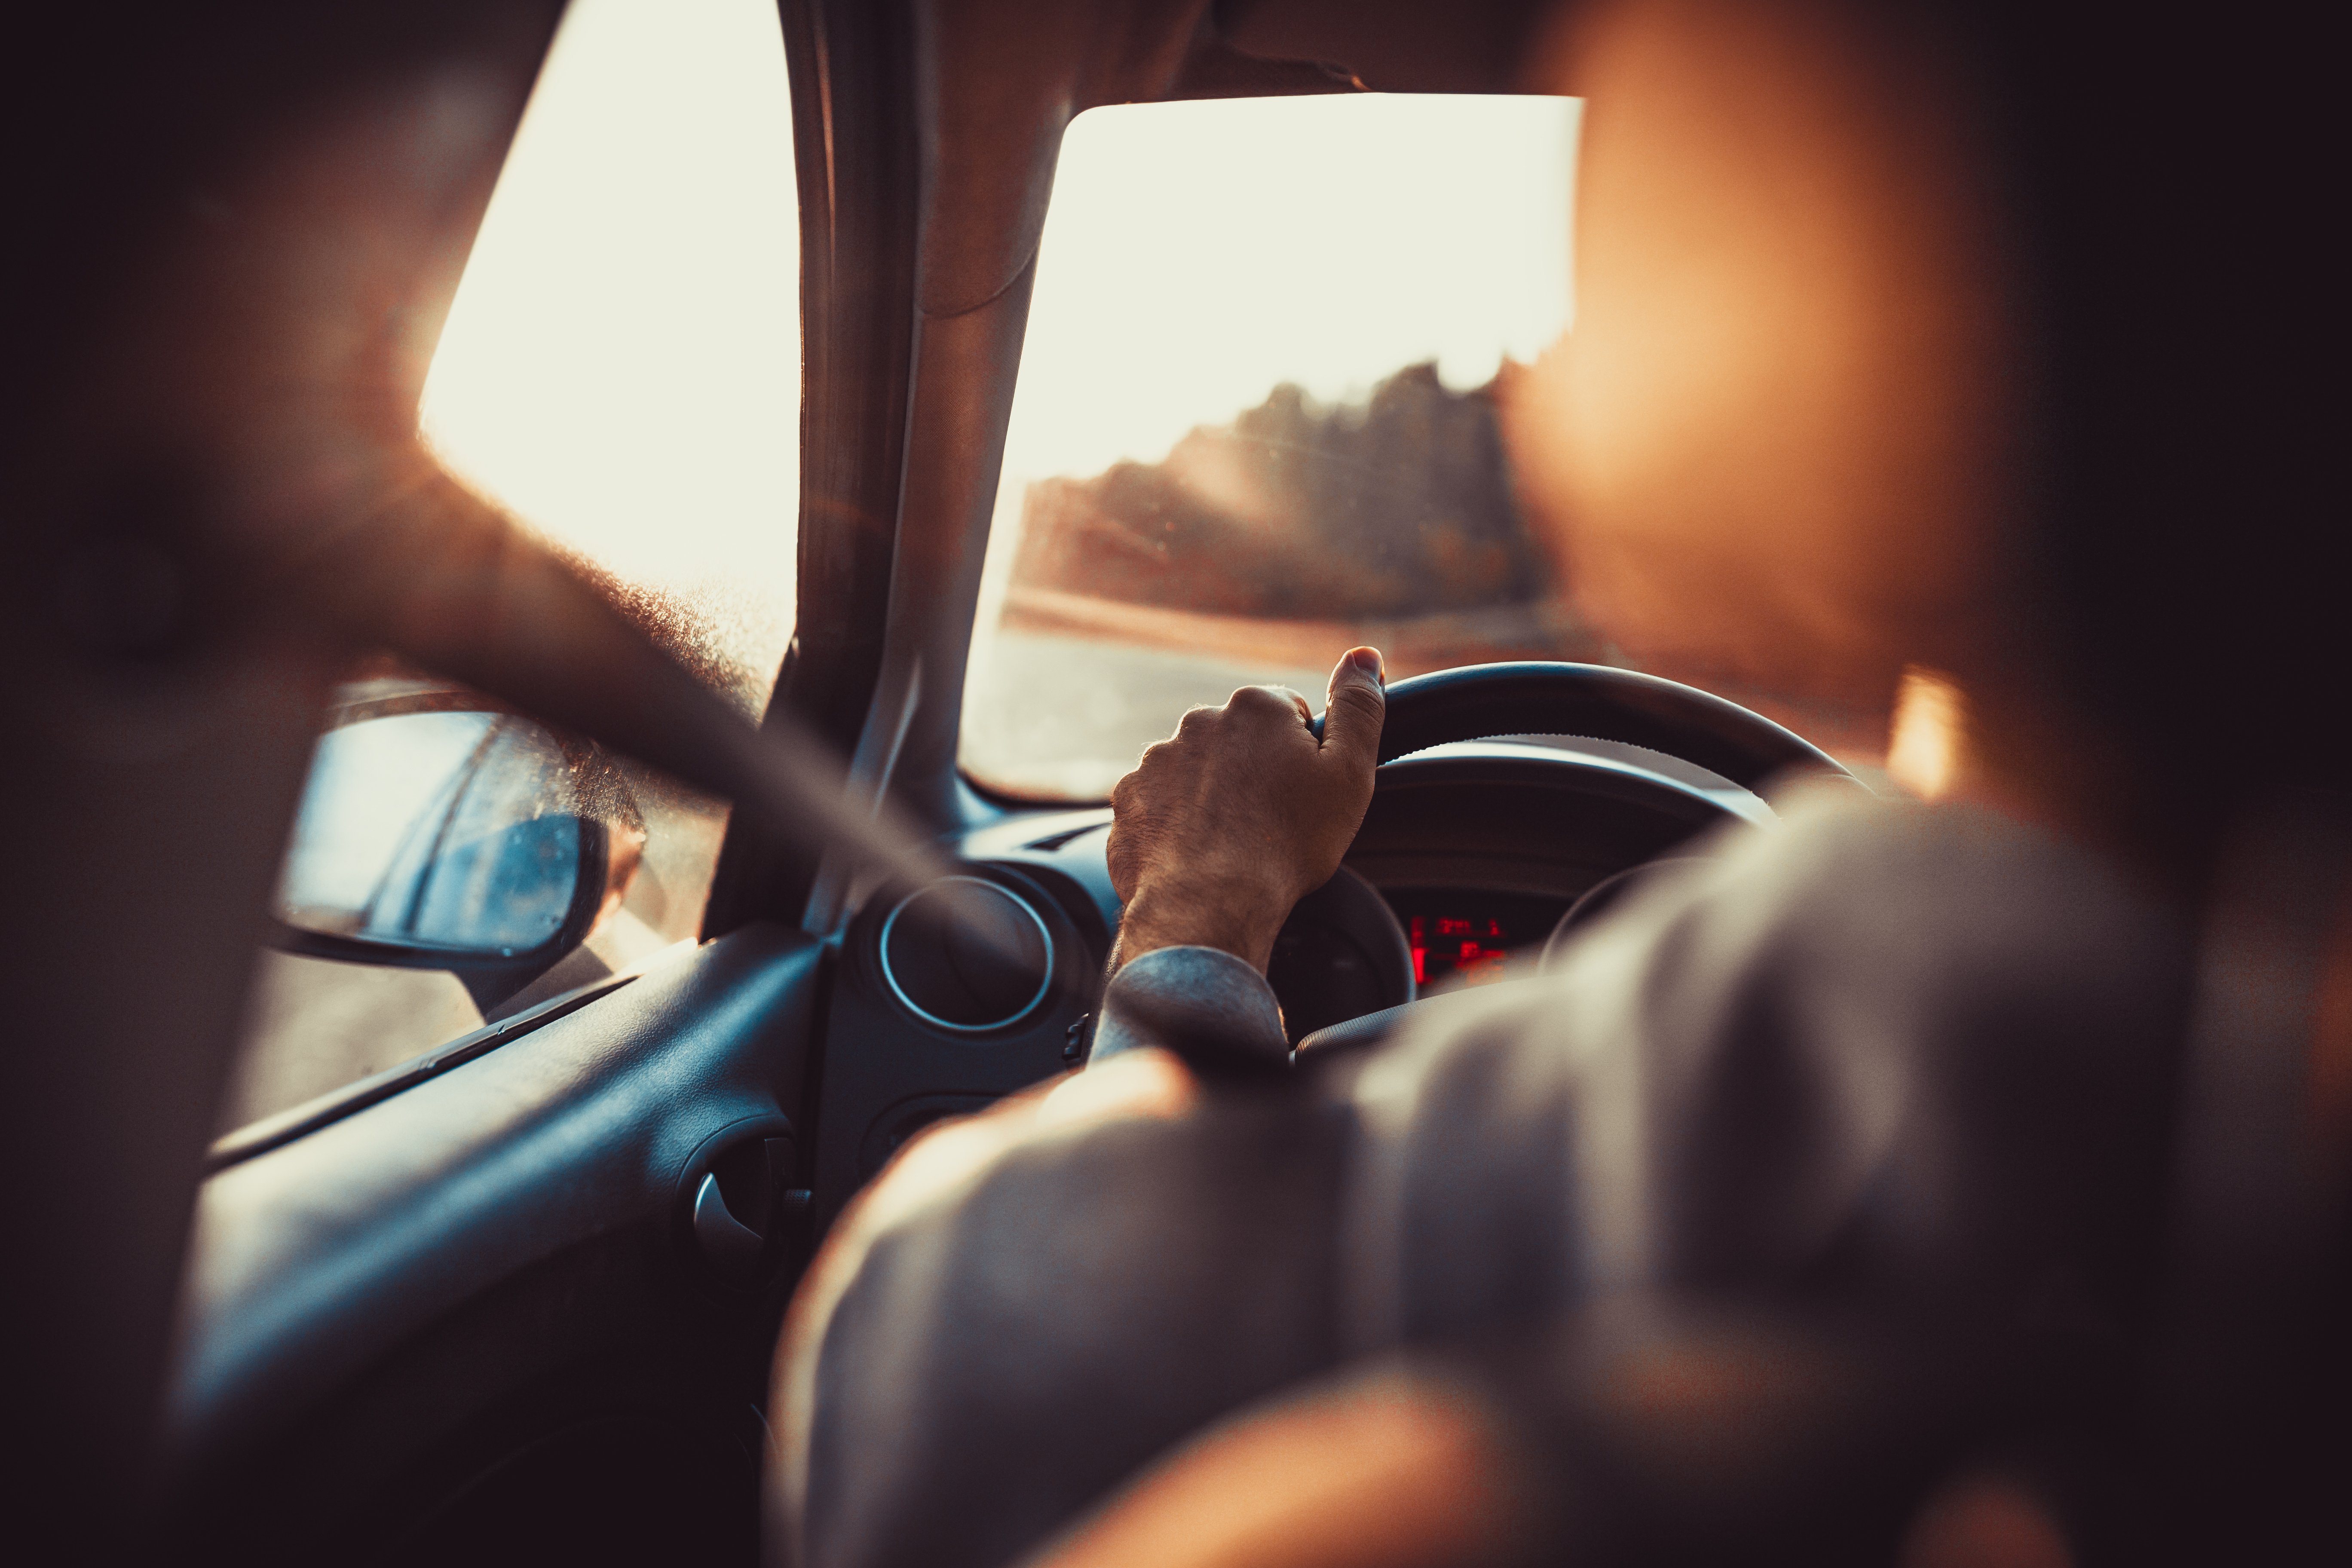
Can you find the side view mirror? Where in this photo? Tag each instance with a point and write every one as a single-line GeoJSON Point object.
{"type": "Point", "coordinates": [436, 835]}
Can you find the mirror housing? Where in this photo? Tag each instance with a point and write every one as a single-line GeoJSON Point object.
{"type": "Point", "coordinates": [436, 832]}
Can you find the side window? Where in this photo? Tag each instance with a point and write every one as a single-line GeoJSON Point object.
{"type": "Point", "coordinates": [621, 372]}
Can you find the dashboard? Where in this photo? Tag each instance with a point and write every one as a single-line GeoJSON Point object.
{"type": "Point", "coordinates": [1468, 859]}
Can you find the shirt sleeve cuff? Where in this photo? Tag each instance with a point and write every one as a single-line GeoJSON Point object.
{"type": "Point", "coordinates": [1211, 1008]}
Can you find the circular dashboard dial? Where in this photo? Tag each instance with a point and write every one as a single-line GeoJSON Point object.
{"type": "Point", "coordinates": [967, 955]}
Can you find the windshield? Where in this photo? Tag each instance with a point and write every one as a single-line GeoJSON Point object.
{"type": "Point", "coordinates": [1256, 420]}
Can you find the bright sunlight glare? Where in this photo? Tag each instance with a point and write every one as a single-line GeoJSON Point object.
{"type": "Point", "coordinates": [621, 368]}
{"type": "Point", "coordinates": [1197, 254]}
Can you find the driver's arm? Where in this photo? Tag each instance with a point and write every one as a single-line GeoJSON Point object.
{"type": "Point", "coordinates": [1224, 826]}
{"type": "Point", "coordinates": [1217, 834]}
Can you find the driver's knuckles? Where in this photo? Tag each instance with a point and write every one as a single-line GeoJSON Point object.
{"type": "Point", "coordinates": [1155, 757]}
{"type": "Point", "coordinates": [1196, 721]}
{"type": "Point", "coordinates": [1264, 702]}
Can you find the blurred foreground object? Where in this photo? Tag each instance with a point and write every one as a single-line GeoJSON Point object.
{"type": "Point", "coordinates": [238, 251]}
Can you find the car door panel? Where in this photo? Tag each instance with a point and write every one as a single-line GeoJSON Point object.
{"type": "Point", "coordinates": [383, 1311]}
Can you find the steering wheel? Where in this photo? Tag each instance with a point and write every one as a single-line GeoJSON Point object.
{"type": "Point", "coordinates": [1539, 698]}
{"type": "Point", "coordinates": [1536, 697]}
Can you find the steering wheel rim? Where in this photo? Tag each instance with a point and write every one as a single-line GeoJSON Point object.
{"type": "Point", "coordinates": [1537, 697]}
{"type": "Point", "coordinates": [1546, 698]}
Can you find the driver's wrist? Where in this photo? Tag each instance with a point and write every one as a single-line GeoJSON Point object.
{"type": "Point", "coordinates": [1233, 915]}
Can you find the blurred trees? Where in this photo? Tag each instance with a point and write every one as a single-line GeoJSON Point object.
{"type": "Point", "coordinates": [1398, 507]}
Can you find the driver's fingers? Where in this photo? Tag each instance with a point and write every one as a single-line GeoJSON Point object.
{"type": "Point", "coordinates": [1352, 723]}
{"type": "Point", "coordinates": [1275, 705]}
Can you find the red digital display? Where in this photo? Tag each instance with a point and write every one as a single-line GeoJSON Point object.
{"type": "Point", "coordinates": [1457, 944]}
{"type": "Point", "coordinates": [1470, 938]}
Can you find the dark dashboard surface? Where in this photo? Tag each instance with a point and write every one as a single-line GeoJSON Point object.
{"type": "Point", "coordinates": [1471, 853]}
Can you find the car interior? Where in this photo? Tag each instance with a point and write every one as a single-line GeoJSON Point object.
{"type": "Point", "coordinates": [510, 1289]}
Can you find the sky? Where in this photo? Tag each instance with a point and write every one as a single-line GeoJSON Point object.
{"type": "Point", "coordinates": [1196, 254]}
{"type": "Point", "coordinates": [621, 366]}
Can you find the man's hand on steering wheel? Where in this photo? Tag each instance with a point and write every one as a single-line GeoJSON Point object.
{"type": "Point", "coordinates": [1221, 829]}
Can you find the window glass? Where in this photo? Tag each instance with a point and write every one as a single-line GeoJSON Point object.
{"type": "Point", "coordinates": [621, 371]}
{"type": "Point", "coordinates": [1256, 417]}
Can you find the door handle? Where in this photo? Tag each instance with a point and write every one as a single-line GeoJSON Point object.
{"type": "Point", "coordinates": [731, 1246]}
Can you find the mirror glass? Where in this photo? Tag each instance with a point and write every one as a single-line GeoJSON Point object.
{"type": "Point", "coordinates": [459, 831]}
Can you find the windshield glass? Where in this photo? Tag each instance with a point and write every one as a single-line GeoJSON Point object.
{"type": "Point", "coordinates": [1257, 421]}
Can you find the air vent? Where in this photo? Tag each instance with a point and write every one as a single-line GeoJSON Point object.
{"type": "Point", "coordinates": [967, 954]}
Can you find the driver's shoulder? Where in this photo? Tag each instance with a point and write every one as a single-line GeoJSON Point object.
{"type": "Point", "coordinates": [1898, 899]}
{"type": "Point", "coordinates": [1858, 933]}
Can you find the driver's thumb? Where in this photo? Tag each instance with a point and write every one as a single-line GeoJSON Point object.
{"type": "Point", "coordinates": [1352, 718]}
